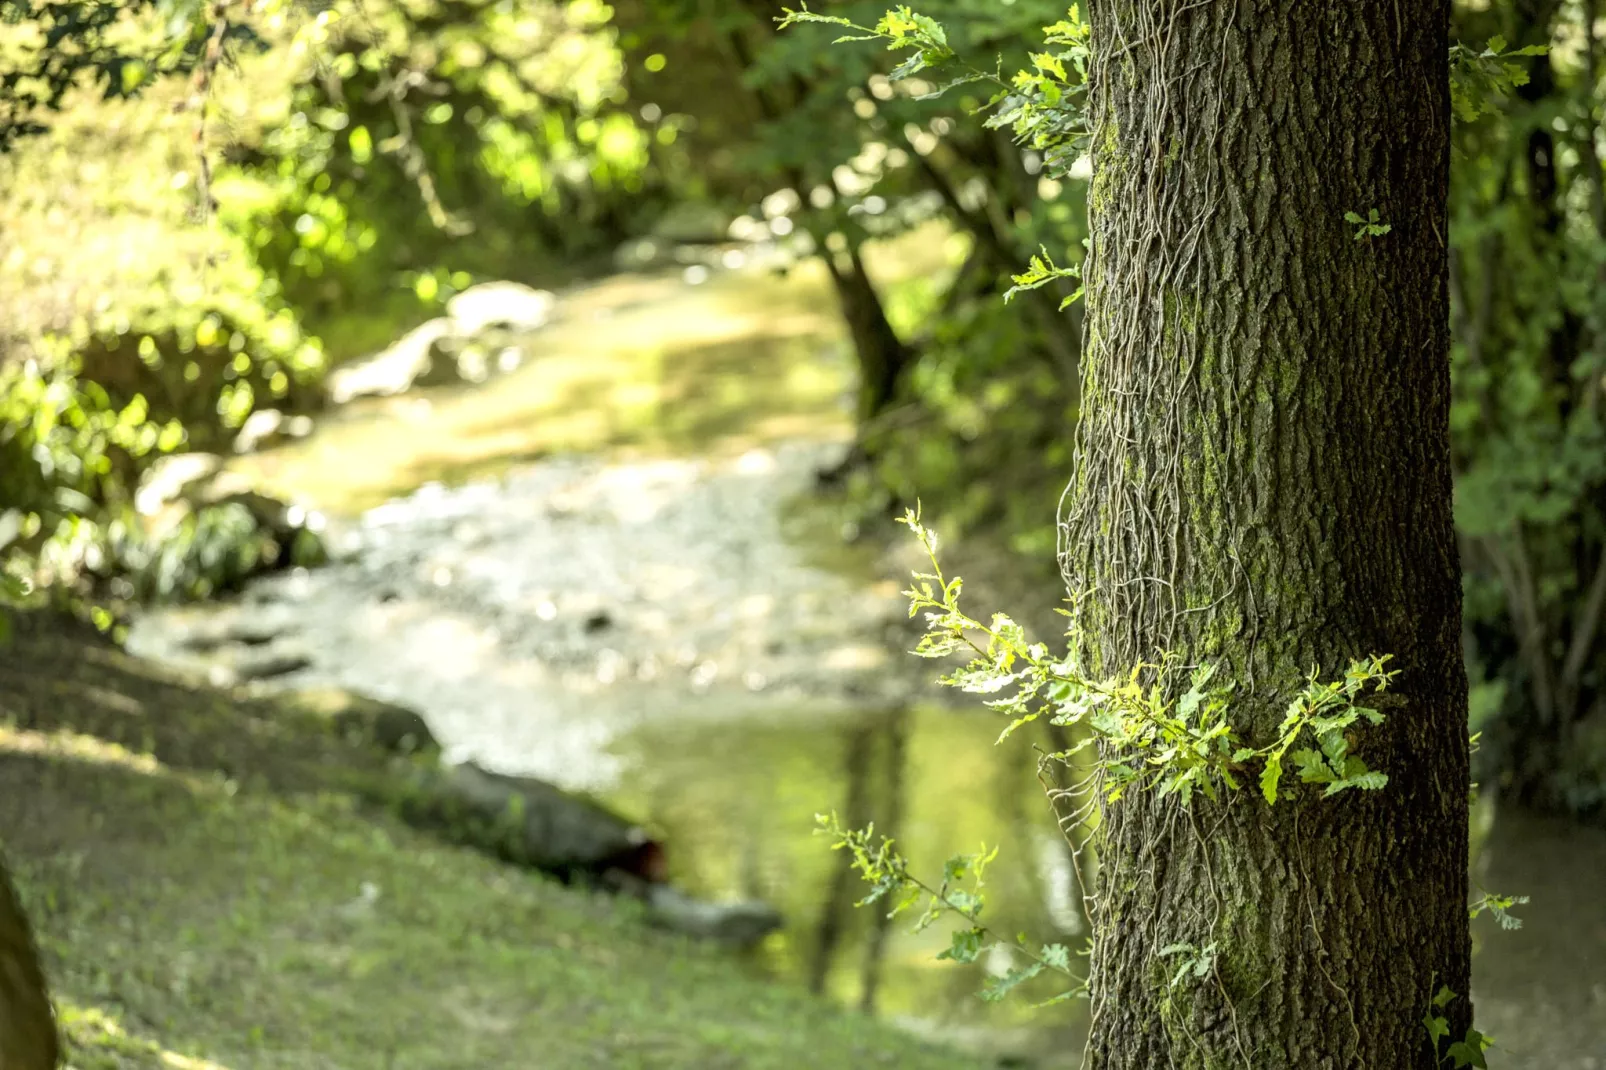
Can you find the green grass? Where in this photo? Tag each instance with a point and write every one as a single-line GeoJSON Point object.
{"type": "Point", "coordinates": [637, 365]}
{"type": "Point", "coordinates": [194, 864]}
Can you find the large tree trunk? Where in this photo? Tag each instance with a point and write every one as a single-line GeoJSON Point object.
{"type": "Point", "coordinates": [1263, 483]}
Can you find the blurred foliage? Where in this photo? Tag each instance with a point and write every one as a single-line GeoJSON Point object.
{"type": "Point", "coordinates": [965, 402]}
{"type": "Point", "coordinates": [431, 143]}
{"type": "Point", "coordinates": [54, 47]}
{"type": "Point", "coordinates": [200, 193]}
{"type": "Point", "coordinates": [213, 201]}
{"type": "Point", "coordinates": [69, 458]}
{"type": "Point", "coordinates": [1528, 287]}
{"type": "Point", "coordinates": [131, 327]}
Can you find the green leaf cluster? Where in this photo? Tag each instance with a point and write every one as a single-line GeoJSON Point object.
{"type": "Point", "coordinates": [902, 28]}
{"type": "Point", "coordinates": [1499, 907]}
{"type": "Point", "coordinates": [960, 894]}
{"type": "Point", "coordinates": [1042, 271]}
{"type": "Point", "coordinates": [1481, 81]}
{"type": "Point", "coordinates": [1194, 961]}
{"type": "Point", "coordinates": [1468, 1051]}
{"type": "Point", "coordinates": [1148, 735]}
{"type": "Point", "coordinates": [1367, 226]}
{"type": "Point", "coordinates": [1045, 106]}
{"type": "Point", "coordinates": [1327, 712]}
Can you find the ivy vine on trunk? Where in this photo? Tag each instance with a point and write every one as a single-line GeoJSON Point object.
{"type": "Point", "coordinates": [1263, 483]}
{"type": "Point", "coordinates": [1262, 494]}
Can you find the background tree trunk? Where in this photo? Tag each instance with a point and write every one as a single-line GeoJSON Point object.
{"type": "Point", "coordinates": [883, 358]}
{"type": "Point", "coordinates": [27, 1023]}
{"type": "Point", "coordinates": [1263, 482]}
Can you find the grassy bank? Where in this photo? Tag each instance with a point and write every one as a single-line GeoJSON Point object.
{"type": "Point", "coordinates": [209, 892]}
{"type": "Point", "coordinates": [635, 366]}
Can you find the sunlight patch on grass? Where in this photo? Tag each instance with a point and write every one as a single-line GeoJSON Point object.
{"type": "Point", "coordinates": [637, 366]}
{"type": "Point", "coordinates": [96, 1040]}
{"type": "Point", "coordinates": [77, 747]}
{"type": "Point", "coordinates": [711, 370]}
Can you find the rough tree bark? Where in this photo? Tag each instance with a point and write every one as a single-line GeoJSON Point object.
{"type": "Point", "coordinates": [1263, 483]}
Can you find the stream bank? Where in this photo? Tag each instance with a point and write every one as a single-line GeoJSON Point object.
{"type": "Point", "coordinates": [609, 570]}
{"type": "Point", "coordinates": [209, 893]}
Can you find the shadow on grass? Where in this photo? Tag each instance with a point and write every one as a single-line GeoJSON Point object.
{"type": "Point", "coordinates": [206, 894]}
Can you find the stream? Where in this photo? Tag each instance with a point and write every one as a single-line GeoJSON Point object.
{"type": "Point", "coordinates": [673, 622]}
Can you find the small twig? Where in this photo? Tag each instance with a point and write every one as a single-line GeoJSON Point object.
{"type": "Point", "coordinates": [414, 164]}
{"type": "Point", "coordinates": [200, 96]}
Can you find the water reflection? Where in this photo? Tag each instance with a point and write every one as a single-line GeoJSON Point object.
{"type": "Point", "coordinates": [933, 779]}
{"type": "Point", "coordinates": [1541, 991]}
{"type": "Point", "coordinates": [738, 804]}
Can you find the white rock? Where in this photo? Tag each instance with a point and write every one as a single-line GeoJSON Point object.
{"type": "Point", "coordinates": [167, 480]}
{"type": "Point", "coordinates": [509, 305]}
{"type": "Point", "coordinates": [393, 370]}
{"type": "Point", "coordinates": [266, 428]}
{"type": "Point", "coordinates": [259, 428]}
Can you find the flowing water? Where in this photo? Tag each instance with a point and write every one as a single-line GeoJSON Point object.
{"type": "Point", "coordinates": [649, 607]}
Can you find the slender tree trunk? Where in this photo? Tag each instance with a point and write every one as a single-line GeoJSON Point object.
{"type": "Point", "coordinates": [1263, 483]}
{"type": "Point", "coordinates": [883, 358]}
